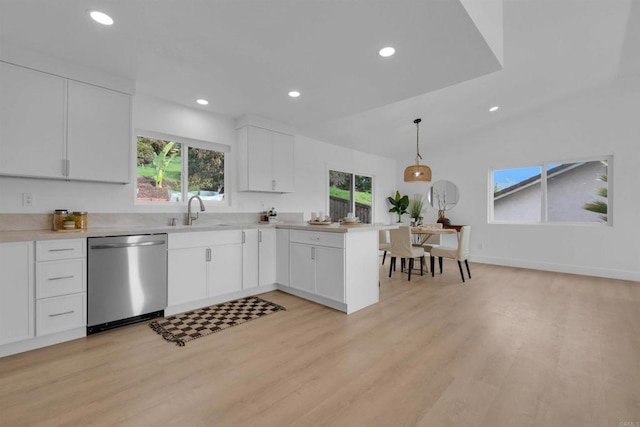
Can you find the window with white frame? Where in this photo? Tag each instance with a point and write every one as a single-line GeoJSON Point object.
{"type": "Point", "coordinates": [349, 192]}
{"type": "Point", "coordinates": [171, 169]}
{"type": "Point", "coordinates": [553, 192]}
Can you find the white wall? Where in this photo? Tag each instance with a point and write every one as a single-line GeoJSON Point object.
{"type": "Point", "coordinates": [601, 122]}
{"type": "Point", "coordinates": [312, 158]}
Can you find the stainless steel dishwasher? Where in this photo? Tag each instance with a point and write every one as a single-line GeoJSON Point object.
{"type": "Point", "coordinates": [127, 280]}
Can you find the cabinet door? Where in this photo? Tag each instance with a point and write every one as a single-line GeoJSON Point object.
{"type": "Point", "coordinates": [187, 275]}
{"type": "Point", "coordinates": [282, 162]}
{"type": "Point", "coordinates": [16, 292]}
{"type": "Point", "coordinates": [330, 273]}
{"type": "Point", "coordinates": [225, 269]}
{"type": "Point", "coordinates": [282, 257]}
{"type": "Point", "coordinates": [32, 123]}
{"type": "Point", "coordinates": [99, 134]}
{"type": "Point", "coordinates": [302, 267]}
{"type": "Point", "coordinates": [250, 259]}
{"type": "Point", "coordinates": [267, 256]}
{"type": "Point", "coordinates": [259, 167]}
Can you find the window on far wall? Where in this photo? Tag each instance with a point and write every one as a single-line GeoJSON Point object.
{"type": "Point", "coordinates": [554, 192]}
{"type": "Point", "coordinates": [349, 192]}
{"type": "Point", "coordinates": [172, 169]}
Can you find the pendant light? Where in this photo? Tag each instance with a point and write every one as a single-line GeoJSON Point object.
{"type": "Point", "coordinates": [417, 172]}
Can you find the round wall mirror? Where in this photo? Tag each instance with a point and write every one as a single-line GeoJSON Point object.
{"type": "Point", "coordinates": [443, 195]}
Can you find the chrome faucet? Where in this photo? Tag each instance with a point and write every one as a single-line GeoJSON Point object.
{"type": "Point", "coordinates": [190, 217]}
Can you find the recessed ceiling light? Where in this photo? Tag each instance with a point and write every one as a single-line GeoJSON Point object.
{"type": "Point", "coordinates": [294, 94]}
{"type": "Point", "coordinates": [202, 101]}
{"type": "Point", "coordinates": [494, 108]}
{"type": "Point", "coordinates": [101, 17]}
{"type": "Point", "coordinates": [387, 51]}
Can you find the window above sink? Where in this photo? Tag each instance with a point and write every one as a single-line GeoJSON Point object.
{"type": "Point", "coordinates": [171, 169]}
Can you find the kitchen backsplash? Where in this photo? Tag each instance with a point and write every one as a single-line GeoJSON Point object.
{"type": "Point", "coordinates": [18, 222]}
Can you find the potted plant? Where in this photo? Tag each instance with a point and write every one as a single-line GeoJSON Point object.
{"type": "Point", "coordinates": [399, 205]}
{"type": "Point", "coordinates": [415, 209]}
{"type": "Point", "coordinates": [69, 222]}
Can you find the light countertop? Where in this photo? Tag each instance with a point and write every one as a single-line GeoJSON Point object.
{"type": "Point", "coordinates": [28, 235]}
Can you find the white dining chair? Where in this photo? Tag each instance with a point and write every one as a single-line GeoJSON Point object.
{"type": "Point", "coordinates": [459, 253]}
{"type": "Point", "coordinates": [402, 248]}
{"type": "Point", "coordinates": [383, 243]}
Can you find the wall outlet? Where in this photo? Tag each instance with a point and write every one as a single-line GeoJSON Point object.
{"type": "Point", "coordinates": [481, 246]}
{"type": "Point", "coordinates": [27, 199]}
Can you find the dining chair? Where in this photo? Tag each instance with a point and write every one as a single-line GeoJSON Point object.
{"type": "Point", "coordinates": [459, 253]}
{"type": "Point", "coordinates": [402, 248]}
{"type": "Point", "coordinates": [383, 243]}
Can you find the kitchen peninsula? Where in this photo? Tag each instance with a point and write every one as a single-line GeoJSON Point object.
{"type": "Point", "coordinates": [334, 265]}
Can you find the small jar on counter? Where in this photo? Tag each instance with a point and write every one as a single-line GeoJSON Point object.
{"type": "Point", "coordinates": [58, 219]}
{"type": "Point", "coordinates": [81, 220]}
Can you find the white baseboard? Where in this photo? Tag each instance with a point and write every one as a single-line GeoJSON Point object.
{"type": "Point", "coordinates": [559, 268]}
{"type": "Point", "coordinates": [43, 341]}
{"type": "Point", "coordinates": [340, 306]}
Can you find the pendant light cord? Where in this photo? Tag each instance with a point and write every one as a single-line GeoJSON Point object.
{"type": "Point", "coordinates": [418, 156]}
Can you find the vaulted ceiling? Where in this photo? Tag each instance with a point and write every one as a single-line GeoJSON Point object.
{"type": "Point", "coordinates": [245, 55]}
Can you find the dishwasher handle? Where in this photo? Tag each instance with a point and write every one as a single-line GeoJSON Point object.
{"type": "Point", "coordinates": [126, 245]}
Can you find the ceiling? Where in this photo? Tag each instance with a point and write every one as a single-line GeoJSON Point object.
{"type": "Point", "coordinates": [245, 55]}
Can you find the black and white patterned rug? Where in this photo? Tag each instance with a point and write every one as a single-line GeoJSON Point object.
{"type": "Point", "coordinates": [198, 323]}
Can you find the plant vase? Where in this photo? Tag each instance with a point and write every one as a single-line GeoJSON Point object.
{"type": "Point", "coordinates": [442, 219]}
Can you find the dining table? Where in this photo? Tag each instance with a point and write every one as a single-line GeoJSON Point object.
{"type": "Point", "coordinates": [422, 233]}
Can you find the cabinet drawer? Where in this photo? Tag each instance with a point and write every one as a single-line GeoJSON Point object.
{"type": "Point", "coordinates": [57, 278]}
{"type": "Point", "coordinates": [334, 240]}
{"type": "Point", "coordinates": [60, 313]}
{"type": "Point", "coordinates": [51, 250]}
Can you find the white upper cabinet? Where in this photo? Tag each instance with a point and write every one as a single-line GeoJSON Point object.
{"type": "Point", "coordinates": [99, 134]}
{"type": "Point", "coordinates": [51, 127]}
{"type": "Point", "coordinates": [282, 161]}
{"type": "Point", "coordinates": [265, 160]}
{"type": "Point", "coordinates": [32, 123]}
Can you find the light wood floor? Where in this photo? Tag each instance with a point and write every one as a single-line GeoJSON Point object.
{"type": "Point", "coordinates": [511, 347]}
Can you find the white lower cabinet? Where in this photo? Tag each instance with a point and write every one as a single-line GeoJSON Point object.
{"type": "Point", "coordinates": [203, 265]}
{"type": "Point", "coordinates": [250, 259]}
{"type": "Point", "coordinates": [16, 292]}
{"type": "Point", "coordinates": [258, 257]}
{"type": "Point", "coordinates": [61, 285]}
{"type": "Point", "coordinates": [282, 257]}
{"type": "Point", "coordinates": [225, 269]}
{"type": "Point", "coordinates": [315, 268]}
{"type": "Point", "coordinates": [303, 267]}
{"type": "Point", "coordinates": [339, 270]}
{"type": "Point", "coordinates": [266, 256]}
{"type": "Point", "coordinates": [188, 270]}
{"type": "Point", "coordinates": [330, 273]}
